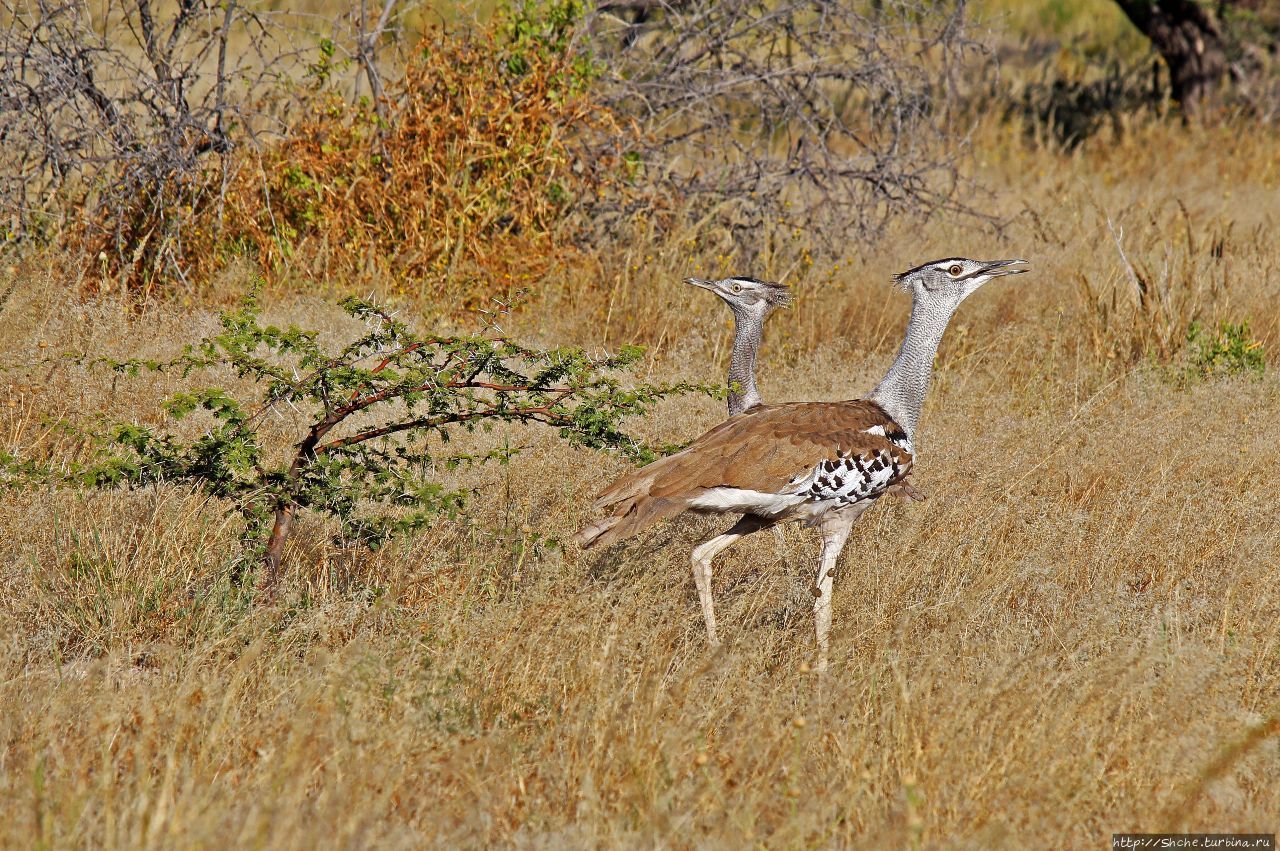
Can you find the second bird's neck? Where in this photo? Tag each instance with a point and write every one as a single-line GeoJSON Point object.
{"type": "Point", "coordinates": [902, 390]}
{"type": "Point", "coordinates": [748, 330]}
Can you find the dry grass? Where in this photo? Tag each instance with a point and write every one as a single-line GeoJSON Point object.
{"type": "Point", "coordinates": [1060, 643]}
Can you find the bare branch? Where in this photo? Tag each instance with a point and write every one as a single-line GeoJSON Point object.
{"type": "Point", "coordinates": [116, 106]}
{"type": "Point", "coordinates": [366, 53]}
{"type": "Point", "coordinates": [831, 116]}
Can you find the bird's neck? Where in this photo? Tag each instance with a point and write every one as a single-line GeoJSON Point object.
{"type": "Point", "coordinates": [902, 390]}
{"type": "Point", "coordinates": [748, 331]}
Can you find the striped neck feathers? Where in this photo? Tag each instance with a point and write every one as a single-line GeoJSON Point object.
{"type": "Point", "coordinates": [747, 334]}
{"type": "Point", "coordinates": [902, 390]}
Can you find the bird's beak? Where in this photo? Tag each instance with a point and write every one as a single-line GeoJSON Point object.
{"type": "Point", "coordinates": [999, 268]}
{"type": "Point", "coordinates": [698, 282]}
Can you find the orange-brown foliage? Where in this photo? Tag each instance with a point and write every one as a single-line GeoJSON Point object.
{"type": "Point", "coordinates": [462, 177]}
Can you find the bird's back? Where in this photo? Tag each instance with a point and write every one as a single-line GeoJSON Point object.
{"type": "Point", "coordinates": [762, 450]}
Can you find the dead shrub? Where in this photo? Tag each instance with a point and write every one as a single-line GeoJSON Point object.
{"type": "Point", "coordinates": [464, 181]}
{"type": "Point", "coordinates": [457, 178]}
{"type": "Point", "coordinates": [119, 117]}
{"type": "Point", "coordinates": [776, 119]}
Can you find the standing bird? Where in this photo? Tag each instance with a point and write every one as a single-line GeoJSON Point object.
{"type": "Point", "coordinates": [751, 301]}
{"type": "Point", "coordinates": [820, 463]}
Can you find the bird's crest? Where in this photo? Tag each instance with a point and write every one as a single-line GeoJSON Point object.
{"type": "Point", "coordinates": [780, 295]}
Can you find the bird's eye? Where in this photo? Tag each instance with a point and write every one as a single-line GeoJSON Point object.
{"type": "Point", "coordinates": [737, 288]}
{"type": "Point", "coordinates": [955, 270]}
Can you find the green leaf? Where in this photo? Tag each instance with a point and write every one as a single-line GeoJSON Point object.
{"type": "Point", "coordinates": [364, 422]}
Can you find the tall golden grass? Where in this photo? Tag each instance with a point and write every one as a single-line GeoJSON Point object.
{"type": "Point", "coordinates": [1077, 634]}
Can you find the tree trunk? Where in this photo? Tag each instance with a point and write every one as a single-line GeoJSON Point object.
{"type": "Point", "coordinates": [288, 506]}
{"type": "Point", "coordinates": [1188, 38]}
{"type": "Point", "coordinates": [275, 546]}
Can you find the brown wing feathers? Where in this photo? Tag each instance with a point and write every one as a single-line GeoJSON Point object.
{"type": "Point", "coordinates": [761, 450]}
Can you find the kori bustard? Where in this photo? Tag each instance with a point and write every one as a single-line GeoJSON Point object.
{"type": "Point", "coordinates": [820, 463]}
{"type": "Point", "coordinates": [751, 301]}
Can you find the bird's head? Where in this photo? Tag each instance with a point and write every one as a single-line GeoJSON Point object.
{"type": "Point", "coordinates": [747, 294]}
{"type": "Point", "coordinates": [954, 279]}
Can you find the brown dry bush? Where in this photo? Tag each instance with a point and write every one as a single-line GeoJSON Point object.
{"type": "Point", "coordinates": [457, 177]}
{"type": "Point", "coordinates": [454, 183]}
{"type": "Point", "coordinates": [463, 181]}
{"type": "Point", "coordinates": [117, 116]}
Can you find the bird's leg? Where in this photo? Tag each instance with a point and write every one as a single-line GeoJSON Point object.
{"type": "Point", "coordinates": [835, 528]}
{"type": "Point", "coordinates": [704, 553]}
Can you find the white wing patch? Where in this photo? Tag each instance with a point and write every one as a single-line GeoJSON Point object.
{"type": "Point", "coordinates": [851, 478]}
{"type": "Point", "coordinates": [762, 504]}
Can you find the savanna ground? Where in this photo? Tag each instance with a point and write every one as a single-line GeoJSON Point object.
{"type": "Point", "coordinates": [1078, 633]}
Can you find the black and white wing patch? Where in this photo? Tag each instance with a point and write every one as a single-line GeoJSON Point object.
{"type": "Point", "coordinates": [894, 434]}
{"type": "Point", "coordinates": [853, 478]}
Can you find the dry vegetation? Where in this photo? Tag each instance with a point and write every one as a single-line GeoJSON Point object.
{"type": "Point", "coordinates": [1078, 633]}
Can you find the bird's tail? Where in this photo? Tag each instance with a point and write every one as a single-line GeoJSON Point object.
{"type": "Point", "coordinates": [630, 506]}
{"type": "Point", "coordinates": [627, 519]}
{"type": "Point", "coordinates": [588, 536]}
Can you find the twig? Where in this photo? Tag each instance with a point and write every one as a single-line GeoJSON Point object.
{"type": "Point", "coordinates": [1133, 276]}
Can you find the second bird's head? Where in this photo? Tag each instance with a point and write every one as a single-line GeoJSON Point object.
{"type": "Point", "coordinates": [954, 279]}
{"type": "Point", "coordinates": [748, 294]}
